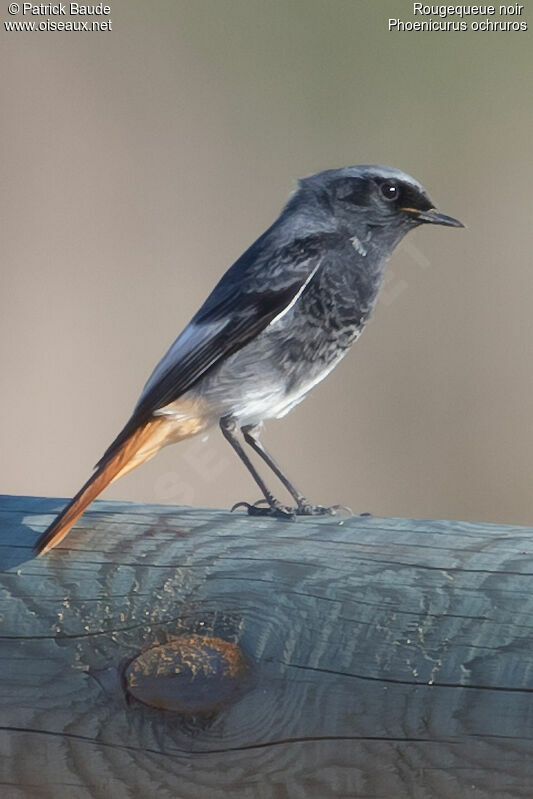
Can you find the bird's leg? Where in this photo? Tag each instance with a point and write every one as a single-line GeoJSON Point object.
{"type": "Point", "coordinates": [228, 426]}
{"type": "Point", "coordinates": [303, 506]}
{"type": "Point", "coordinates": [251, 436]}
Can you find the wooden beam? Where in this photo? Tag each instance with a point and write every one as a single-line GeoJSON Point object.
{"type": "Point", "coordinates": [187, 653]}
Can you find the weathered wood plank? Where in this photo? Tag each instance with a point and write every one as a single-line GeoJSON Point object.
{"type": "Point", "coordinates": [390, 657]}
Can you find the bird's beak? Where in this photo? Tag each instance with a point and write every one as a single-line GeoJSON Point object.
{"type": "Point", "coordinates": [433, 217]}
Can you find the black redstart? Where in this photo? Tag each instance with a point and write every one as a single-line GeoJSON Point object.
{"type": "Point", "coordinates": [275, 325]}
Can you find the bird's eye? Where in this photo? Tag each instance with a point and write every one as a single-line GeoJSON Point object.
{"type": "Point", "coordinates": [390, 190]}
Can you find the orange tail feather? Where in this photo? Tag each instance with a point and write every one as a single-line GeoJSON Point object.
{"type": "Point", "coordinates": [141, 445]}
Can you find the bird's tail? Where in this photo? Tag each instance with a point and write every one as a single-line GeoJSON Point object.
{"type": "Point", "coordinates": [129, 450]}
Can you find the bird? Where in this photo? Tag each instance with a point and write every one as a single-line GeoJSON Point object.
{"type": "Point", "coordinates": [275, 325]}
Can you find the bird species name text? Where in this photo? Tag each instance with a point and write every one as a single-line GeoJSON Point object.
{"type": "Point", "coordinates": [452, 18]}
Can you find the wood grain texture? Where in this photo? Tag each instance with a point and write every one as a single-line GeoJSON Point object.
{"type": "Point", "coordinates": [392, 658]}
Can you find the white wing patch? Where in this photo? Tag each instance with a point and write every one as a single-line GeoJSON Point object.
{"type": "Point", "coordinates": [192, 337]}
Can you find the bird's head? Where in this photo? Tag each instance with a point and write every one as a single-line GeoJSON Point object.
{"type": "Point", "coordinates": [376, 203]}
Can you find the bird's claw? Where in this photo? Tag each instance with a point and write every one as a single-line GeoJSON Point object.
{"type": "Point", "coordinates": [264, 508]}
{"type": "Point", "coordinates": [240, 505]}
{"type": "Point", "coordinates": [275, 509]}
{"type": "Point", "coordinates": [306, 509]}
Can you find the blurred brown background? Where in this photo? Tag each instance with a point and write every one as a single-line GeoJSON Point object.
{"type": "Point", "coordinates": [139, 163]}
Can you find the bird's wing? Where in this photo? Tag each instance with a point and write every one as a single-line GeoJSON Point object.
{"type": "Point", "coordinates": [251, 294]}
{"type": "Point", "coordinates": [255, 290]}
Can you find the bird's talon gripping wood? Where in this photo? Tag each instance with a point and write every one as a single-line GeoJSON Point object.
{"type": "Point", "coordinates": [276, 510]}
{"type": "Point", "coordinates": [316, 510]}
{"type": "Point", "coordinates": [279, 320]}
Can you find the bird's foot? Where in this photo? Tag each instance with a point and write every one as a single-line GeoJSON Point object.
{"type": "Point", "coordinates": [306, 509]}
{"type": "Point", "coordinates": [275, 509]}
{"type": "Point", "coordinates": [265, 507]}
